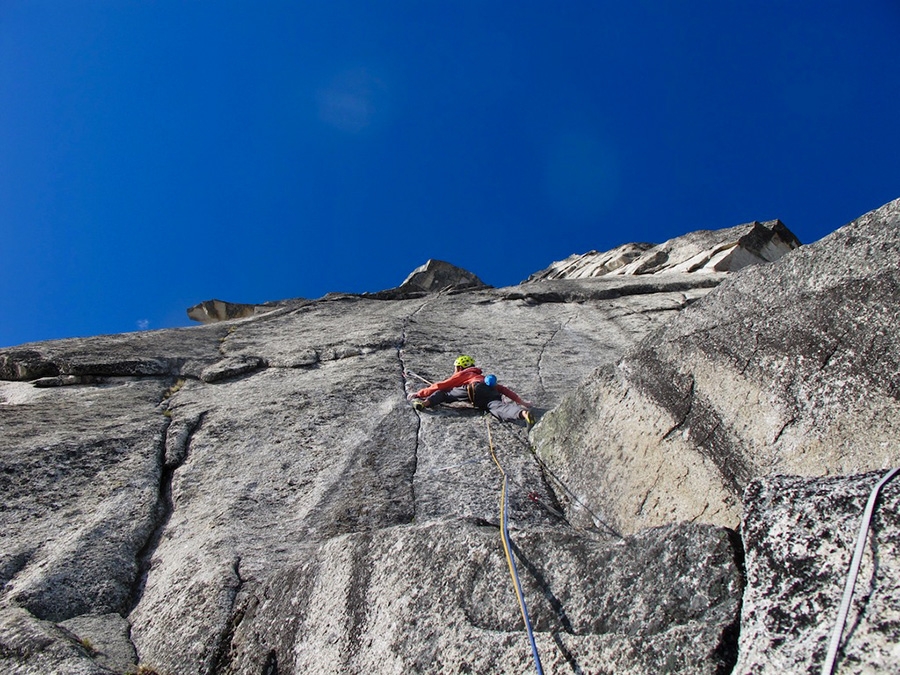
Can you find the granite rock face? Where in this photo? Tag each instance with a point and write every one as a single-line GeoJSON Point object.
{"type": "Point", "coordinates": [212, 311]}
{"type": "Point", "coordinates": [436, 275]}
{"type": "Point", "coordinates": [198, 472]}
{"type": "Point", "coordinates": [256, 495]}
{"type": "Point", "coordinates": [396, 611]}
{"type": "Point", "coordinates": [791, 367]}
{"type": "Point", "coordinates": [727, 250]}
{"type": "Point", "coordinates": [797, 565]}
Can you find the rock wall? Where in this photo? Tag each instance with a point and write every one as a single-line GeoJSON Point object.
{"type": "Point", "coordinates": [727, 250]}
{"type": "Point", "coordinates": [212, 311]}
{"type": "Point", "coordinates": [789, 368]}
{"type": "Point", "coordinates": [800, 535]}
{"type": "Point", "coordinates": [256, 495]}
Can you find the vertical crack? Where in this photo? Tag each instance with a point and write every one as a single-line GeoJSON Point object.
{"type": "Point", "coordinates": [357, 603]}
{"type": "Point", "coordinates": [418, 429]}
{"type": "Point", "coordinates": [544, 347]}
{"type": "Point", "coordinates": [726, 652]}
{"type": "Point", "coordinates": [221, 656]}
{"type": "Point", "coordinates": [401, 346]}
{"type": "Point", "coordinates": [173, 452]}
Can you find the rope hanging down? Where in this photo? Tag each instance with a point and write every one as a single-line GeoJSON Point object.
{"type": "Point", "coordinates": [831, 658]}
{"type": "Point", "coordinates": [507, 545]}
{"type": "Point", "coordinates": [504, 519]}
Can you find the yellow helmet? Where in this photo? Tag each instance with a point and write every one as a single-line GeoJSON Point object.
{"type": "Point", "coordinates": [464, 362]}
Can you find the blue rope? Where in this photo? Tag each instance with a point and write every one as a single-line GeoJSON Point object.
{"type": "Point", "coordinates": [515, 576]}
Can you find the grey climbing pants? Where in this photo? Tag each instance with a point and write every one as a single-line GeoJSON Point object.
{"type": "Point", "coordinates": [505, 411]}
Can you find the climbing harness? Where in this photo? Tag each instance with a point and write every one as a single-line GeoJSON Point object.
{"type": "Point", "coordinates": [831, 658]}
{"type": "Point", "coordinates": [480, 395]}
{"type": "Point", "coordinates": [504, 518]}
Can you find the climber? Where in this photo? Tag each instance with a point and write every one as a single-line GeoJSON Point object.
{"type": "Point", "coordinates": [468, 384]}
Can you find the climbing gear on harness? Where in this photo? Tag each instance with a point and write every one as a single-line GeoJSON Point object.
{"type": "Point", "coordinates": [490, 380]}
{"type": "Point", "coordinates": [464, 361]}
{"type": "Point", "coordinates": [831, 658]}
{"type": "Point", "coordinates": [480, 394]}
{"type": "Point", "coordinates": [507, 544]}
{"type": "Point", "coordinates": [419, 405]}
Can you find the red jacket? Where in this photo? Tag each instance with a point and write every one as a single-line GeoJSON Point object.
{"type": "Point", "coordinates": [458, 379]}
{"type": "Point", "coordinates": [461, 379]}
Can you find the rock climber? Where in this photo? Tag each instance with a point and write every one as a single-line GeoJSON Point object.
{"type": "Point", "coordinates": [468, 384]}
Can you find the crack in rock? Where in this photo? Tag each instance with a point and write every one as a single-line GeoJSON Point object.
{"type": "Point", "coordinates": [544, 347]}
{"type": "Point", "coordinates": [221, 654]}
{"type": "Point", "coordinates": [401, 346]}
{"type": "Point", "coordinates": [172, 455]}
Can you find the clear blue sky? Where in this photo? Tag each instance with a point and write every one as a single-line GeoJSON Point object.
{"type": "Point", "coordinates": [154, 154]}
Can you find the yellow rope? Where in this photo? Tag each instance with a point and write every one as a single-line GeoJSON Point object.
{"type": "Point", "coordinates": [504, 532]}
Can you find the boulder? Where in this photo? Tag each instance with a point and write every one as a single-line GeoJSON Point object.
{"type": "Point", "coordinates": [213, 311]}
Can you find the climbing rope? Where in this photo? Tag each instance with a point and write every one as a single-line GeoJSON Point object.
{"type": "Point", "coordinates": [831, 658]}
{"type": "Point", "coordinates": [507, 545]}
{"type": "Point", "coordinates": [504, 529]}
{"type": "Point", "coordinates": [417, 376]}
{"type": "Point", "coordinates": [598, 524]}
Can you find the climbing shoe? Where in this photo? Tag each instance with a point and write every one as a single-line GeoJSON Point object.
{"type": "Point", "coordinates": [419, 404]}
{"type": "Point", "coordinates": [528, 416]}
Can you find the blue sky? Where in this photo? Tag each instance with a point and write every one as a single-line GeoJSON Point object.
{"type": "Point", "coordinates": [157, 154]}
